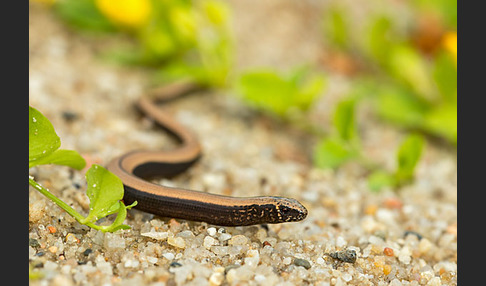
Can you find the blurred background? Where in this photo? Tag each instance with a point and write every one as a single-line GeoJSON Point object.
{"type": "Point", "coordinates": [330, 68]}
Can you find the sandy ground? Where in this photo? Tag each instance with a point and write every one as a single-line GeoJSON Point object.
{"type": "Point", "coordinates": [405, 238]}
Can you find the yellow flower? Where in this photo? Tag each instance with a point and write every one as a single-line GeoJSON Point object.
{"type": "Point", "coordinates": [128, 13]}
{"type": "Point", "coordinates": [449, 41]}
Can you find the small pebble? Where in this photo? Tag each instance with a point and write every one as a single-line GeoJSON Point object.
{"type": "Point", "coordinates": [87, 252]}
{"type": "Point", "coordinates": [168, 255]}
{"type": "Point", "coordinates": [175, 264]}
{"type": "Point", "coordinates": [238, 240]}
{"type": "Point", "coordinates": [404, 256]}
{"type": "Point", "coordinates": [388, 251]}
{"type": "Point", "coordinates": [287, 260]}
{"type": "Point", "coordinates": [131, 263]}
{"type": "Point", "coordinates": [69, 116]}
{"type": "Point", "coordinates": [152, 259]}
{"type": "Point", "coordinates": [209, 241]}
{"type": "Point", "coordinates": [211, 231]}
{"type": "Point", "coordinates": [260, 279]}
{"type": "Point", "coordinates": [216, 278]}
{"type": "Point", "coordinates": [177, 242]}
{"type": "Point", "coordinates": [302, 262]}
{"type": "Point", "coordinates": [387, 269]}
{"type": "Point", "coordinates": [224, 236]}
{"type": "Point", "coordinates": [71, 238]}
{"type": "Point", "coordinates": [34, 242]}
{"type": "Point", "coordinates": [410, 232]}
{"type": "Point", "coordinates": [393, 203]}
{"type": "Point", "coordinates": [347, 255]}
{"type": "Point", "coordinates": [340, 242]}
{"type": "Point", "coordinates": [156, 235]}
{"type": "Point", "coordinates": [347, 277]}
{"type": "Point", "coordinates": [253, 258]}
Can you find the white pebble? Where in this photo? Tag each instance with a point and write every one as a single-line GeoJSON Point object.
{"type": "Point", "coordinates": [49, 265]}
{"type": "Point", "coordinates": [347, 277]}
{"type": "Point", "coordinates": [287, 260]}
{"type": "Point", "coordinates": [340, 242]}
{"type": "Point", "coordinates": [259, 278]}
{"type": "Point", "coordinates": [156, 235]}
{"type": "Point", "coordinates": [425, 246]}
{"type": "Point", "coordinates": [434, 281]}
{"type": "Point", "coordinates": [177, 242]}
{"type": "Point", "coordinates": [375, 240]}
{"type": "Point", "coordinates": [211, 231]}
{"type": "Point", "coordinates": [404, 256]}
{"type": "Point", "coordinates": [238, 240]}
{"type": "Point", "coordinates": [209, 241]}
{"type": "Point", "coordinates": [216, 278]}
{"type": "Point", "coordinates": [320, 261]}
{"type": "Point", "coordinates": [253, 258]}
{"type": "Point", "coordinates": [113, 241]}
{"type": "Point", "coordinates": [224, 236]}
{"type": "Point", "coordinates": [386, 216]}
{"type": "Point", "coordinates": [395, 282]}
{"type": "Point", "coordinates": [103, 266]}
{"type": "Point", "coordinates": [131, 263]}
{"type": "Point", "coordinates": [152, 259]}
{"type": "Point", "coordinates": [168, 255]}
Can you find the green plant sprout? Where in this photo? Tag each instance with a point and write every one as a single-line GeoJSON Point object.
{"type": "Point", "coordinates": [343, 143]}
{"type": "Point", "coordinates": [407, 157]}
{"type": "Point", "coordinates": [280, 94]}
{"type": "Point", "coordinates": [104, 190]}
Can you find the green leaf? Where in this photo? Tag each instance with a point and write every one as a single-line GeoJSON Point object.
{"type": "Point", "coordinates": [380, 36]}
{"type": "Point", "coordinates": [332, 152]}
{"type": "Point", "coordinates": [344, 119]}
{"type": "Point", "coordinates": [83, 15]}
{"type": "Point", "coordinates": [309, 90]}
{"type": "Point", "coordinates": [104, 191]}
{"type": "Point", "coordinates": [44, 144]}
{"type": "Point", "coordinates": [408, 156]}
{"type": "Point", "coordinates": [336, 28]}
{"type": "Point", "coordinates": [43, 139]}
{"type": "Point", "coordinates": [408, 66]}
{"type": "Point", "coordinates": [380, 179]}
{"type": "Point", "coordinates": [120, 217]}
{"type": "Point", "coordinates": [63, 157]}
{"type": "Point", "coordinates": [216, 12]}
{"type": "Point", "coordinates": [399, 106]}
{"type": "Point", "coordinates": [268, 90]}
{"type": "Point", "coordinates": [445, 76]}
{"type": "Point", "coordinates": [442, 121]}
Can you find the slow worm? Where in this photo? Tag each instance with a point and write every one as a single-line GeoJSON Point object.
{"type": "Point", "coordinates": [136, 167]}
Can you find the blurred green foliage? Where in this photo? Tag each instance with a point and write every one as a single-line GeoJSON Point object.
{"type": "Point", "coordinates": [83, 15]}
{"type": "Point", "coordinates": [180, 38]}
{"type": "Point", "coordinates": [280, 94]}
{"type": "Point", "coordinates": [407, 157]}
{"type": "Point", "coordinates": [411, 75]}
{"type": "Point", "coordinates": [343, 142]}
{"type": "Point", "coordinates": [406, 53]}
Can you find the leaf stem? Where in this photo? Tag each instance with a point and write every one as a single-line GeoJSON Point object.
{"type": "Point", "coordinates": [60, 203]}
